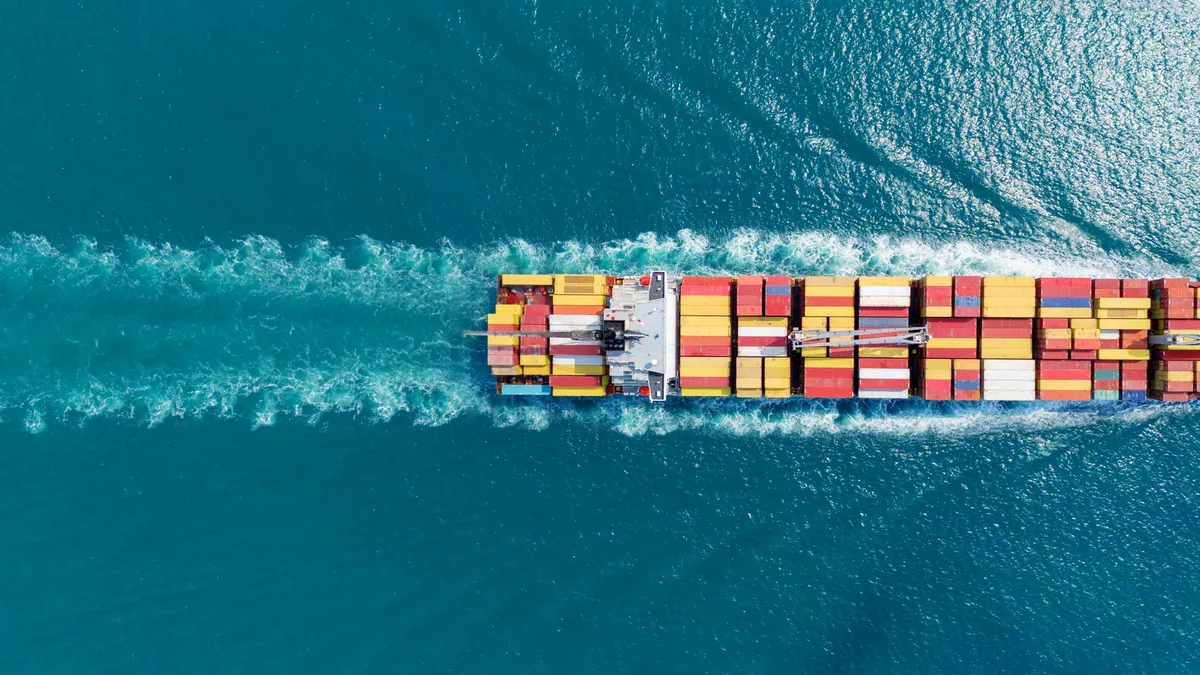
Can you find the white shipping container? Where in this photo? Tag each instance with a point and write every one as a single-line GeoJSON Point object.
{"type": "Point", "coordinates": [759, 331]}
{"type": "Point", "coordinates": [1009, 386]}
{"type": "Point", "coordinates": [880, 291]}
{"type": "Point", "coordinates": [762, 351]}
{"type": "Point", "coordinates": [883, 393]}
{"type": "Point", "coordinates": [883, 301]}
{"type": "Point", "coordinates": [1008, 364]}
{"type": "Point", "coordinates": [1008, 376]}
{"type": "Point", "coordinates": [577, 360]}
{"type": "Point", "coordinates": [1009, 396]}
{"type": "Point", "coordinates": [1110, 335]}
{"type": "Point", "coordinates": [574, 321]}
{"type": "Point", "coordinates": [883, 373]}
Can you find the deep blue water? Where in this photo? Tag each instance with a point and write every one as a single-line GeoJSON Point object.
{"type": "Point", "coordinates": [239, 432]}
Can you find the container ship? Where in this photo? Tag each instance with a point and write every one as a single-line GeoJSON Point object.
{"type": "Point", "coordinates": [961, 338]}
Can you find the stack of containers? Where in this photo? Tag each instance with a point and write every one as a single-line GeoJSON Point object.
{"type": "Point", "coordinates": [749, 377]}
{"type": "Point", "coordinates": [704, 320]}
{"type": "Point", "coordinates": [1106, 380]}
{"type": "Point", "coordinates": [1059, 302]}
{"type": "Point", "coordinates": [937, 297]}
{"type": "Point", "coordinates": [779, 296]}
{"type": "Point", "coordinates": [968, 296]}
{"type": "Point", "coordinates": [1135, 380]}
{"type": "Point", "coordinates": [749, 295]}
{"type": "Point", "coordinates": [503, 355]}
{"type": "Point", "coordinates": [535, 351]}
{"type": "Point", "coordinates": [937, 379]}
{"type": "Point", "coordinates": [1009, 379]}
{"type": "Point", "coordinates": [1009, 298]}
{"type": "Point", "coordinates": [952, 338]}
{"type": "Point", "coordinates": [883, 302]}
{"type": "Point", "coordinates": [777, 377]}
{"type": "Point", "coordinates": [967, 379]}
{"type": "Point", "coordinates": [829, 377]}
{"type": "Point", "coordinates": [830, 299]}
{"type": "Point", "coordinates": [1006, 330]}
{"type": "Point", "coordinates": [1124, 325]}
{"type": "Point", "coordinates": [1006, 338]}
{"type": "Point", "coordinates": [577, 366]}
{"type": "Point", "coordinates": [1173, 310]}
{"type": "Point", "coordinates": [1087, 338]}
{"type": "Point", "coordinates": [1063, 380]}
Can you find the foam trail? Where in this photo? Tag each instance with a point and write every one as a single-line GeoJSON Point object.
{"type": "Point", "coordinates": [257, 330]}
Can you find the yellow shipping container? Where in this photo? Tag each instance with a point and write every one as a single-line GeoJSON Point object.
{"type": "Point", "coordinates": [1086, 334]}
{"type": "Point", "coordinates": [779, 393]}
{"type": "Point", "coordinates": [705, 331]}
{"type": "Point", "coordinates": [776, 382]}
{"type": "Point", "coordinates": [749, 393]}
{"type": "Point", "coordinates": [577, 391]}
{"type": "Point", "coordinates": [509, 310]}
{"type": "Point", "coordinates": [534, 360]}
{"type": "Point", "coordinates": [1008, 281]}
{"type": "Point", "coordinates": [1055, 333]}
{"type": "Point", "coordinates": [828, 311]}
{"type": "Point", "coordinates": [1174, 375]}
{"type": "Point", "coordinates": [504, 319]}
{"type": "Point", "coordinates": [967, 365]}
{"type": "Point", "coordinates": [1006, 353]}
{"type": "Point", "coordinates": [1008, 293]}
{"type": "Point", "coordinates": [703, 371]}
{"type": "Point", "coordinates": [1084, 324]}
{"type": "Point", "coordinates": [748, 383]}
{"type": "Point", "coordinates": [706, 391]}
{"type": "Point", "coordinates": [1009, 312]}
{"type": "Point", "coordinates": [1005, 342]}
{"type": "Point", "coordinates": [814, 323]}
{"type": "Point", "coordinates": [578, 370]}
{"type": "Point", "coordinates": [828, 291]}
{"type": "Point", "coordinates": [579, 300]}
{"type": "Point", "coordinates": [749, 363]}
{"type": "Point", "coordinates": [1124, 324]}
{"type": "Point", "coordinates": [939, 281]}
{"type": "Point", "coordinates": [704, 311]}
{"type": "Point", "coordinates": [704, 321]}
{"type": "Point", "coordinates": [936, 312]}
{"type": "Point", "coordinates": [1064, 312]}
{"type": "Point", "coordinates": [841, 323]}
{"type": "Point", "coordinates": [814, 352]}
{"type": "Point", "coordinates": [536, 370]}
{"type": "Point", "coordinates": [704, 301]}
{"type": "Point", "coordinates": [951, 343]}
{"type": "Point", "coordinates": [777, 362]}
{"type": "Point", "coordinates": [938, 369]}
{"type": "Point", "coordinates": [527, 279]}
{"type": "Point", "coordinates": [829, 281]}
{"type": "Point", "coordinates": [704, 361]}
{"type": "Point", "coordinates": [884, 281]}
{"type": "Point", "coordinates": [506, 370]}
{"type": "Point", "coordinates": [762, 322]}
{"type": "Point", "coordinates": [883, 352]}
{"type": "Point", "coordinates": [1064, 385]}
{"type": "Point", "coordinates": [503, 340]}
{"type": "Point", "coordinates": [1123, 303]}
{"type": "Point", "coordinates": [829, 363]}
{"type": "Point", "coordinates": [1123, 355]}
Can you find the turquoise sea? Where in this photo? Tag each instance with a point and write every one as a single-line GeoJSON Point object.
{"type": "Point", "coordinates": [240, 433]}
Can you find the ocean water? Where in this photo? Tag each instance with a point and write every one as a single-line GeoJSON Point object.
{"type": "Point", "coordinates": [240, 433]}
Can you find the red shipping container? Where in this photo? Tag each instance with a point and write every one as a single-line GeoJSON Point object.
{"type": "Point", "coordinates": [1171, 282]}
{"type": "Point", "coordinates": [1180, 324]}
{"type": "Point", "coordinates": [1086, 344]}
{"type": "Point", "coordinates": [1027, 324]}
{"type": "Point", "coordinates": [576, 350]}
{"type": "Point", "coordinates": [942, 294]}
{"type": "Point", "coordinates": [1188, 356]}
{"type": "Point", "coordinates": [1107, 284]}
{"type": "Point", "coordinates": [1083, 355]}
{"type": "Point", "coordinates": [1177, 387]}
{"type": "Point", "coordinates": [749, 310]}
{"type": "Point", "coordinates": [1133, 366]}
{"type": "Point", "coordinates": [749, 280]}
{"type": "Point", "coordinates": [1169, 398]}
{"type": "Point", "coordinates": [967, 311]}
{"type": "Point", "coordinates": [1174, 303]}
{"type": "Point", "coordinates": [883, 312]}
{"type": "Point", "coordinates": [1007, 333]}
{"type": "Point", "coordinates": [580, 310]}
{"type": "Point", "coordinates": [707, 281]}
{"type": "Point", "coordinates": [1054, 324]}
{"type": "Point", "coordinates": [781, 307]}
{"type": "Point", "coordinates": [950, 352]}
{"type": "Point", "coordinates": [536, 310]}
{"type": "Point", "coordinates": [966, 395]}
{"type": "Point", "coordinates": [841, 352]}
{"type": "Point", "coordinates": [705, 351]}
{"type": "Point", "coordinates": [704, 382]}
{"type": "Point", "coordinates": [816, 301]}
{"type": "Point", "coordinates": [934, 395]}
{"type": "Point", "coordinates": [1105, 385]}
{"type": "Point", "coordinates": [762, 342]}
{"type": "Point", "coordinates": [778, 280]}
{"type": "Point", "coordinates": [1110, 344]}
{"type": "Point", "coordinates": [1051, 354]}
{"type": "Point", "coordinates": [575, 380]}
{"type": "Point", "coordinates": [829, 392]}
{"type": "Point", "coordinates": [827, 380]}
{"type": "Point", "coordinates": [896, 364]}
{"type": "Point", "coordinates": [968, 281]}
{"type": "Point", "coordinates": [1174, 366]}
{"type": "Point", "coordinates": [704, 290]}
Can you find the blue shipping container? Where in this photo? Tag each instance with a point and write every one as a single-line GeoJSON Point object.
{"type": "Point", "coordinates": [525, 389]}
